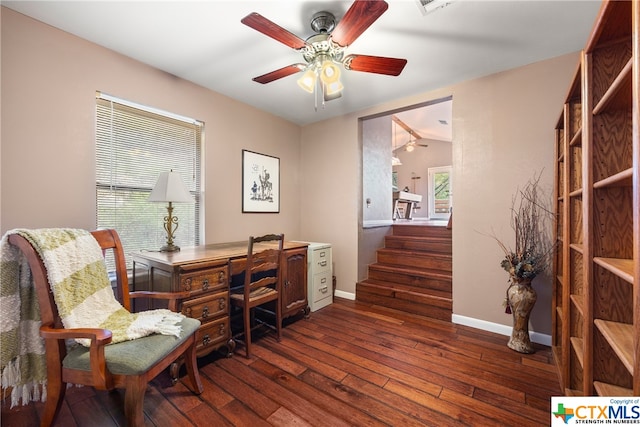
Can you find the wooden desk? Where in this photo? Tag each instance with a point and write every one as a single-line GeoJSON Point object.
{"type": "Point", "coordinates": [204, 271]}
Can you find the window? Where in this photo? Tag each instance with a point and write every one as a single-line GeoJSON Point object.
{"type": "Point", "coordinates": [134, 145]}
{"type": "Point", "coordinates": [440, 200]}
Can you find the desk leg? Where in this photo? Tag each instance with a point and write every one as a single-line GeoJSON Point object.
{"type": "Point", "coordinates": [409, 213]}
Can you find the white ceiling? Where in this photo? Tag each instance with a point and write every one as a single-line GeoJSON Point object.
{"type": "Point", "coordinates": [204, 42]}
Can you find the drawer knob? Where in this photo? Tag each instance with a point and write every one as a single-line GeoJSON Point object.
{"type": "Point", "coordinates": [186, 285]}
{"type": "Point", "coordinates": [221, 277]}
{"type": "Point", "coordinates": [205, 284]}
{"type": "Point", "coordinates": [205, 312]}
{"type": "Point", "coordinates": [323, 289]}
{"type": "Point", "coordinates": [323, 263]}
{"type": "Point", "coordinates": [222, 303]}
{"type": "Point", "coordinates": [221, 329]}
{"type": "Point", "coordinates": [187, 311]}
{"type": "Point", "coordinates": [206, 340]}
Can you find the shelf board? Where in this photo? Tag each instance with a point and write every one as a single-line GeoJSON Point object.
{"type": "Point", "coordinates": [576, 139]}
{"type": "Point", "coordinates": [559, 311]}
{"type": "Point", "coordinates": [618, 95]}
{"type": "Point", "coordinates": [572, 392]}
{"type": "Point", "coordinates": [621, 179]}
{"type": "Point", "coordinates": [576, 193]}
{"type": "Point", "coordinates": [620, 338]}
{"type": "Point", "coordinates": [577, 301]}
{"type": "Point", "coordinates": [577, 345]}
{"type": "Point", "coordinates": [607, 390]}
{"type": "Point", "coordinates": [621, 267]}
{"type": "Point", "coordinates": [561, 158]}
{"type": "Point", "coordinates": [576, 247]}
{"type": "Point", "coordinates": [560, 279]}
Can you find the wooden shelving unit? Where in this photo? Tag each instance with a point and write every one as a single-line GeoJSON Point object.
{"type": "Point", "coordinates": [596, 325]}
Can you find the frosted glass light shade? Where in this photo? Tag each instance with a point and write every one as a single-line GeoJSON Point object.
{"type": "Point", "coordinates": [329, 73]}
{"type": "Point", "coordinates": [308, 81]}
{"type": "Point", "coordinates": [170, 188]}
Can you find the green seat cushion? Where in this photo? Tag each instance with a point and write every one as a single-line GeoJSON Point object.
{"type": "Point", "coordinates": [136, 356]}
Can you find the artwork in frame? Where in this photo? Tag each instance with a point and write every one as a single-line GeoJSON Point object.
{"type": "Point", "coordinates": [260, 183]}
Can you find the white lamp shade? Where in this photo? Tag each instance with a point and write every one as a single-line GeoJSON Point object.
{"type": "Point", "coordinates": [308, 81]}
{"type": "Point", "coordinates": [170, 188]}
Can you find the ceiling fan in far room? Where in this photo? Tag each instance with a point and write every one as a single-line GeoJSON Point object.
{"type": "Point", "coordinates": [325, 50]}
{"type": "Point", "coordinates": [412, 143]}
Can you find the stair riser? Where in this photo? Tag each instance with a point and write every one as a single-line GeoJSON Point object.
{"type": "Point", "coordinates": [404, 305]}
{"type": "Point", "coordinates": [436, 301]}
{"type": "Point", "coordinates": [426, 231]}
{"type": "Point", "coordinates": [426, 262]}
{"type": "Point", "coordinates": [439, 246]}
{"type": "Point", "coordinates": [410, 280]}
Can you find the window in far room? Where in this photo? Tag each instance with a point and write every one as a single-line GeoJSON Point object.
{"type": "Point", "coordinates": [134, 144]}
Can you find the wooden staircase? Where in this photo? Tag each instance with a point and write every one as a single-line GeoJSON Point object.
{"type": "Point", "coordinates": [412, 272]}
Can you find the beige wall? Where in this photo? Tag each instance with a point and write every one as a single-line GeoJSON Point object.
{"type": "Point", "coordinates": [49, 81]}
{"type": "Point", "coordinates": [502, 127]}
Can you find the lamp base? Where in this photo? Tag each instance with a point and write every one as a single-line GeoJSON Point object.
{"type": "Point", "coordinates": [170, 248]}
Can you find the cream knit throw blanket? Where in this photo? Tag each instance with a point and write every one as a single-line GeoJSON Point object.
{"type": "Point", "coordinates": [82, 292]}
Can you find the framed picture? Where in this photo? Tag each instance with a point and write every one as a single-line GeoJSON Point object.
{"type": "Point", "coordinates": [260, 183]}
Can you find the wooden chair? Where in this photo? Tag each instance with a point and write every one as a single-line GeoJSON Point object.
{"type": "Point", "coordinates": [129, 365]}
{"type": "Point", "coordinates": [261, 285]}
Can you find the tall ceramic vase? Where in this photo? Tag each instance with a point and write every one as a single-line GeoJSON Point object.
{"type": "Point", "coordinates": [521, 298]}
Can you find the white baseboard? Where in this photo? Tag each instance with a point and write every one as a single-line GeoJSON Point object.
{"type": "Point", "coordinates": [536, 337]}
{"type": "Point", "coordinates": [346, 295]}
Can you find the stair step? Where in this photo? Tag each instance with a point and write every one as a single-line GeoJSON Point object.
{"type": "Point", "coordinates": [415, 259]}
{"type": "Point", "coordinates": [417, 278]}
{"type": "Point", "coordinates": [421, 230]}
{"type": "Point", "coordinates": [444, 297]}
{"type": "Point", "coordinates": [409, 302]}
{"type": "Point", "coordinates": [419, 243]}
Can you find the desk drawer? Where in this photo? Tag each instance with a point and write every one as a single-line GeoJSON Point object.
{"type": "Point", "coordinates": [207, 307]}
{"type": "Point", "coordinates": [204, 281]}
{"type": "Point", "coordinates": [212, 334]}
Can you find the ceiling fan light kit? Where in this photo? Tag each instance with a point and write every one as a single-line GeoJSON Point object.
{"type": "Point", "coordinates": [324, 51]}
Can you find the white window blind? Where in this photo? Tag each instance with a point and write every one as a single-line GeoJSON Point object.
{"type": "Point", "coordinates": [133, 146]}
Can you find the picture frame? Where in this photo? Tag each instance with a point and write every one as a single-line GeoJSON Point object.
{"type": "Point", "coordinates": [260, 183]}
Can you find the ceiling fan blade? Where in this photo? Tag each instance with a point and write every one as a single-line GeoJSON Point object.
{"type": "Point", "coordinates": [375, 64]}
{"type": "Point", "coordinates": [273, 30]}
{"type": "Point", "coordinates": [358, 18]}
{"type": "Point", "coordinates": [278, 74]}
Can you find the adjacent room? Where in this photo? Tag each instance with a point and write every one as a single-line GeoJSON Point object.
{"type": "Point", "coordinates": [310, 213]}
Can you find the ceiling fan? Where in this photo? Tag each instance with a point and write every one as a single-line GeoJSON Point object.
{"type": "Point", "coordinates": [413, 143]}
{"type": "Point", "coordinates": [325, 50]}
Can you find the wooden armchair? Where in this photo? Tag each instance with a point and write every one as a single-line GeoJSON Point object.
{"type": "Point", "coordinates": [129, 364]}
{"type": "Point", "coordinates": [261, 285]}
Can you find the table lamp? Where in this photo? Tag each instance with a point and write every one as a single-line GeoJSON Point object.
{"type": "Point", "coordinates": [170, 189]}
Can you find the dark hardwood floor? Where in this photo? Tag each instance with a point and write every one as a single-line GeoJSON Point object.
{"type": "Point", "coordinates": [349, 364]}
